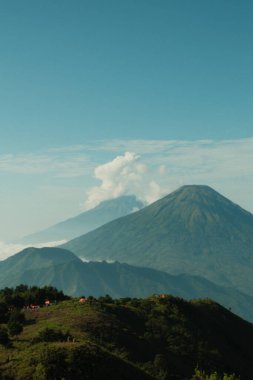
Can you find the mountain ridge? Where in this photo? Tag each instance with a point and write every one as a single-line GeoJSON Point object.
{"type": "Point", "coordinates": [63, 270]}
{"type": "Point", "coordinates": [86, 221]}
{"type": "Point", "coordinates": [192, 230]}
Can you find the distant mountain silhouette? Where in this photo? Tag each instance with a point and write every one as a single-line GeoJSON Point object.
{"type": "Point", "coordinates": [193, 230]}
{"type": "Point", "coordinates": [62, 269]}
{"type": "Point", "coordinates": [12, 268]}
{"type": "Point", "coordinates": [86, 221]}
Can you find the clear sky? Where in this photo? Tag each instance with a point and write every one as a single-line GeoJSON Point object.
{"type": "Point", "coordinates": [111, 73]}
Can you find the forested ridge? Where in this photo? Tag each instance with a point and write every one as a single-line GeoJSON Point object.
{"type": "Point", "coordinates": [160, 337]}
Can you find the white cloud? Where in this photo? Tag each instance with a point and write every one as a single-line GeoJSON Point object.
{"type": "Point", "coordinates": [225, 165]}
{"type": "Point", "coordinates": [59, 177]}
{"type": "Point", "coordinates": [123, 175]}
{"type": "Point", "coordinates": [7, 250]}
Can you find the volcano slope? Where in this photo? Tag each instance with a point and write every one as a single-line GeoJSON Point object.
{"type": "Point", "coordinates": [193, 230]}
{"type": "Point", "coordinates": [86, 221]}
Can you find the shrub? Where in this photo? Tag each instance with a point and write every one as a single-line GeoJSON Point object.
{"type": "Point", "coordinates": [4, 312]}
{"type": "Point", "coordinates": [17, 316]}
{"type": "Point", "coordinates": [52, 335]}
{"type": "Point", "coordinates": [201, 375]}
{"type": "Point", "coordinates": [15, 328]}
{"type": "Point", "coordinates": [4, 337]}
{"type": "Point", "coordinates": [52, 364]}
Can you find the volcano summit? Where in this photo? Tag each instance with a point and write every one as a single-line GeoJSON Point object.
{"type": "Point", "coordinates": [193, 230]}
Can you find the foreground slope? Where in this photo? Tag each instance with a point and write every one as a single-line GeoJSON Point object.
{"type": "Point", "coordinates": [192, 230]}
{"type": "Point", "coordinates": [122, 339]}
{"type": "Point", "coordinates": [86, 221]}
{"type": "Point", "coordinates": [63, 270]}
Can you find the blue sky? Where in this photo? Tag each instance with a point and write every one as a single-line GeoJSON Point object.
{"type": "Point", "coordinates": [90, 74]}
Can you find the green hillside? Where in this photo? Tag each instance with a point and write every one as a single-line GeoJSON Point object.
{"type": "Point", "coordinates": [63, 270]}
{"type": "Point", "coordinates": [193, 230]}
{"type": "Point", "coordinates": [86, 221]}
{"type": "Point", "coordinates": [152, 338]}
{"type": "Point", "coordinates": [32, 259]}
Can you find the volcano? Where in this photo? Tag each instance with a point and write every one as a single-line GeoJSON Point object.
{"type": "Point", "coordinates": [87, 221]}
{"type": "Point", "coordinates": [193, 230]}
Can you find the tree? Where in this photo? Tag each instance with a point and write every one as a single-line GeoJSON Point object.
{"type": "Point", "coordinates": [15, 327]}
{"type": "Point", "coordinates": [4, 337]}
{"type": "Point", "coordinates": [4, 312]}
{"type": "Point", "coordinates": [17, 316]}
{"type": "Point", "coordinates": [53, 362]}
{"type": "Point", "coordinates": [52, 335]}
{"type": "Point", "coordinates": [15, 323]}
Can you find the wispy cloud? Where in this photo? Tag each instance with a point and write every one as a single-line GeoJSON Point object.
{"type": "Point", "coordinates": [56, 164]}
{"type": "Point", "coordinates": [232, 155]}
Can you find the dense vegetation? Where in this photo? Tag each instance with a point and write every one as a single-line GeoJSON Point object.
{"type": "Point", "coordinates": [12, 319]}
{"type": "Point", "coordinates": [23, 295]}
{"type": "Point", "coordinates": [153, 338]}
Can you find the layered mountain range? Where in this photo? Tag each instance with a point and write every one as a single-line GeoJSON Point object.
{"type": "Point", "coordinates": [193, 230]}
{"type": "Point", "coordinates": [87, 221]}
{"type": "Point", "coordinates": [65, 271]}
{"type": "Point", "coordinates": [192, 243]}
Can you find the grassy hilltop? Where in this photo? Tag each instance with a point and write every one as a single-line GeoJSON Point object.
{"type": "Point", "coordinates": [152, 338]}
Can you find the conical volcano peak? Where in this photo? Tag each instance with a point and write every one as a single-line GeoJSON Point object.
{"type": "Point", "coordinates": [196, 191]}
{"type": "Point", "coordinates": [196, 188]}
{"type": "Point", "coordinates": [193, 230]}
{"type": "Point", "coordinates": [198, 196]}
{"type": "Point", "coordinates": [200, 204]}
